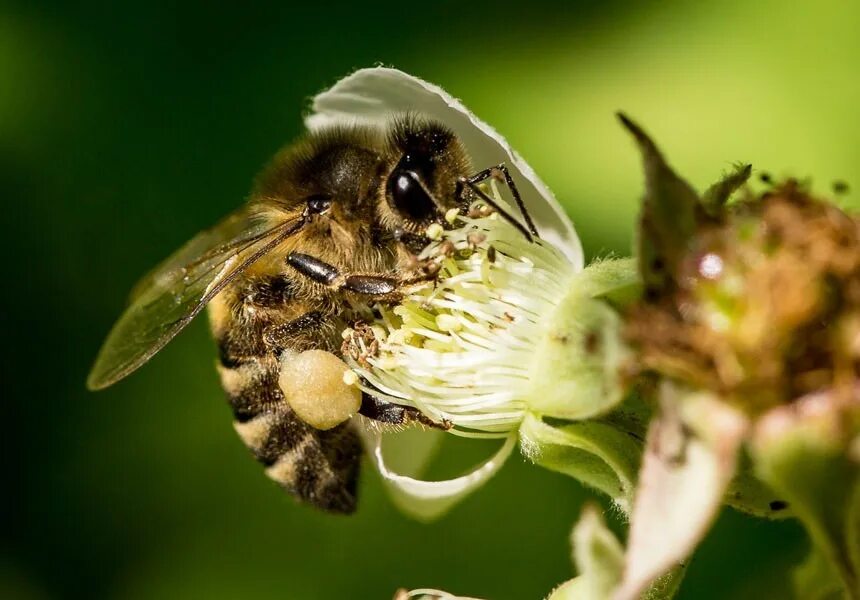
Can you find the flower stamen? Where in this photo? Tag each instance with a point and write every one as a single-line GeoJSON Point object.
{"type": "Point", "coordinates": [460, 348]}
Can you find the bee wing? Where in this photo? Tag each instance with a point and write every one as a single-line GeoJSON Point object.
{"type": "Point", "coordinates": [169, 297]}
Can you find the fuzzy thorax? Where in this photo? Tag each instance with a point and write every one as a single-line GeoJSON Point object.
{"type": "Point", "coordinates": [461, 348]}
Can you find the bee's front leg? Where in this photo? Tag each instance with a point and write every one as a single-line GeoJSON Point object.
{"type": "Point", "coordinates": [500, 172]}
{"type": "Point", "coordinates": [381, 287]}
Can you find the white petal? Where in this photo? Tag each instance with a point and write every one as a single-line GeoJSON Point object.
{"type": "Point", "coordinates": [427, 500]}
{"type": "Point", "coordinates": [372, 95]}
{"type": "Point", "coordinates": [689, 460]}
{"type": "Point", "coordinates": [431, 594]}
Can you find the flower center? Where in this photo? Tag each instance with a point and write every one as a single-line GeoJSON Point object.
{"type": "Point", "coordinates": [460, 348]}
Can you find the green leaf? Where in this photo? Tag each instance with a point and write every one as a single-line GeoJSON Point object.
{"type": "Point", "coordinates": [597, 454]}
{"type": "Point", "coordinates": [802, 452]}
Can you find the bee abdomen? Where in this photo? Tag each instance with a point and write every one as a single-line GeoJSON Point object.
{"type": "Point", "coordinates": [319, 467]}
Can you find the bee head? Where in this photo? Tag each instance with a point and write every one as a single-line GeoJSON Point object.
{"type": "Point", "coordinates": [330, 177]}
{"type": "Point", "coordinates": [426, 161]}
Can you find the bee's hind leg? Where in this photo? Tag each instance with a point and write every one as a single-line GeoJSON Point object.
{"type": "Point", "coordinates": [396, 414]}
{"type": "Point", "coordinates": [296, 334]}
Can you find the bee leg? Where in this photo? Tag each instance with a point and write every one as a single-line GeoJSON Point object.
{"type": "Point", "coordinates": [396, 414]}
{"type": "Point", "coordinates": [500, 172]}
{"type": "Point", "coordinates": [380, 286]}
{"type": "Point", "coordinates": [463, 184]}
{"type": "Point", "coordinates": [313, 268]}
{"type": "Point", "coordinates": [288, 335]}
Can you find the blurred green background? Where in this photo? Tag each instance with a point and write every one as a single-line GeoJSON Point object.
{"type": "Point", "coordinates": [126, 128]}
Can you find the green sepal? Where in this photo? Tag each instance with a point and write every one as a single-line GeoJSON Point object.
{"type": "Point", "coordinates": [671, 210]}
{"type": "Point", "coordinates": [749, 494]}
{"type": "Point", "coordinates": [802, 452]}
{"type": "Point", "coordinates": [715, 197]}
{"type": "Point", "coordinates": [599, 559]}
{"type": "Point", "coordinates": [852, 535]}
{"type": "Point", "coordinates": [816, 579]}
{"type": "Point", "coordinates": [576, 365]}
{"type": "Point", "coordinates": [595, 453]}
{"type": "Point", "coordinates": [665, 587]}
{"type": "Point", "coordinates": [572, 589]}
{"type": "Point", "coordinates": [613, 279]}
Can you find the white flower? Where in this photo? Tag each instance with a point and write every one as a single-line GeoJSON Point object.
{"type": "Point", "coordinates": [462, 349]}
{"type": "Point", "coordinates": [479, 339]}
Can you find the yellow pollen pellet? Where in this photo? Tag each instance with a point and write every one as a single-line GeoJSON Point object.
{"type": "Point", "coordinates": [313, 382]}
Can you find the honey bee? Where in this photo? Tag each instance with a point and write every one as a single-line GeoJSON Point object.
{"type": "Point", "coordinates": [333, 222]}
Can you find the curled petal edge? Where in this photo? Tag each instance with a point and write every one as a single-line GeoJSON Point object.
{"type": "Point", "coordinates": [427, 500]}
{"type": "Point", "coordinates": [371, 96]}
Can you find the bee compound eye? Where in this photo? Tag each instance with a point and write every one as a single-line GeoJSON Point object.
{"type": "Point", "coordinates": [318, 204]}
{"type": "Point", "coordinates": [409, 198]}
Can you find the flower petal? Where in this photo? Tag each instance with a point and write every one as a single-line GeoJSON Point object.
{"type": "Point", "coordinates": [427, 500]}
{"type": "Point", "coordinates": [373, 95]}
{"type": "Point", "coordinates": [430, 594]}
{"type": "Point", "coordinates": [689, 460]}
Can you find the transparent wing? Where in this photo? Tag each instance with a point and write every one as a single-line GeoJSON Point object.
{"type": "Point", "coordinates": [170, 296]}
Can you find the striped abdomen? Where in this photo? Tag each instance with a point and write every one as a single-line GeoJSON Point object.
{"type": "Point", "coordinates": [318, 467]}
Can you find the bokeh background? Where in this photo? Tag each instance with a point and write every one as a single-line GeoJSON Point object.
{"type": "Point", "coordinates": [127, 127]}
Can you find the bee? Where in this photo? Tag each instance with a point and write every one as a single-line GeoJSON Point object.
{"type": "Point", "coordinates": [334, 221]}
